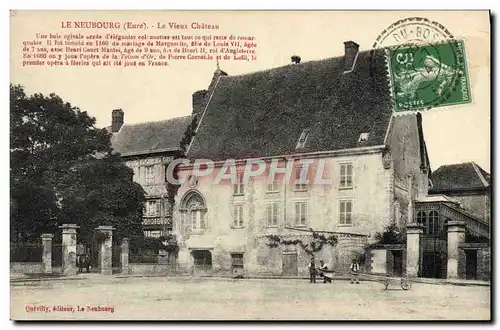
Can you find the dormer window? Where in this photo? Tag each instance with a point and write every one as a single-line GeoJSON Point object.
{"type": "Point", "coordinates": [303, 139]}
{"type": "Point", "coordinates": [363, 137]}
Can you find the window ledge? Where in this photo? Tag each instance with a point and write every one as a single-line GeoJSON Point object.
{"type": "Point", "coordinates": [301, 190]}
{"type": "Point", "coordinates": [345, 225]}
{"type": "Point", "coordinates": [197, 232]}
{"type": "Point", "coordinates": [272, 192]}
{"type": "Point", "coordinates": [237, 227]}
{"type": "Point", "coordinates": [299, 226]}
{"type": "Point", "coordinates": [238, 194]}
{"type": "Point", "coordinates": [345, 188]}
{"type": "Point", "coordinates": [271, 226]}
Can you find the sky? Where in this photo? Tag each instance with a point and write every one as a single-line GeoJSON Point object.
{"type": "Point", "coordinates": [453, 134]}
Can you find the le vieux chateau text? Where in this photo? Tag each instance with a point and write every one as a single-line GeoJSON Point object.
{"type": "Point", "coordinates": [136, 25]}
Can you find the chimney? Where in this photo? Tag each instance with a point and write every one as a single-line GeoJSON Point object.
{"type": "Point", "coordinates": [116, 120]}
{"type": "Point", "coordinates": [199, 101]}
{"type": "Point", "coordinates": [350, 53]}
{"type": "Point", "coordinates": [295, 59]}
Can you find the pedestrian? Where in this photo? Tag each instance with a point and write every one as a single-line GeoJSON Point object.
{"type": "Point", "coordinates": [312, 271]}
{"type": "Point", "coordinates": [354, 271]}
{"type": "Point", "coordinates": [322, 267]}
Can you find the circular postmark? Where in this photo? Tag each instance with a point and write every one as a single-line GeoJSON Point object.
{"type": "Point", "coordinates": [427, 66]}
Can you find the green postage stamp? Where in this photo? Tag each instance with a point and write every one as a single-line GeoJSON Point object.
{"type": "Point", "coordinates": [429, 75]}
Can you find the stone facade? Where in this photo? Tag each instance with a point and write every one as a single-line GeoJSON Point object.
{"type": "Point", "coordinates": [371, 197]}
{"type": "Point", "coordinates": [484, 263]}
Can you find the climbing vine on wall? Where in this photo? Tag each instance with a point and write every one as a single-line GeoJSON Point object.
{"type": "Point", "coordinates": [316, 244]}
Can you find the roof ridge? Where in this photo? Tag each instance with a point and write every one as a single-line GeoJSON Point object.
{"type": "Point", "coordinates": [300, 64]}
{"type": "Point", "coordinates": [156, 121]}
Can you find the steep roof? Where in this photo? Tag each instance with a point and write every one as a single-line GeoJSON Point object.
{"type": "Point", "coordinates": [144, 138]}
{"type": "Point", "coordinates": [457, 177]}
{"type": "Point", "coordinates": [264, 113]}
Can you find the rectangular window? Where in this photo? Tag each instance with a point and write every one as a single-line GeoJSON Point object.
{"type": "Point", "coordinates": [272, 214]}
{"type": "Point", "coordinates": [273, 187]}
{"type": "Point", "coordinates": [150, 174]}
{"type": "Point", "coordinates": [238, 188]}
{"type": "Point", "coordinates": [300, 183]}
{"type": "Point", "coordinates": [345, 176]}
{"type": "Point", "coordinates": [237, 260]}
{"type": "Point", "coordinates": [300, 213]}
{"type": "Point", "coordinates": [346, 212]}
{"type": "Point", "coordinates": [238, 216]}
{"type": "Point", "coordinates": [153, 208]}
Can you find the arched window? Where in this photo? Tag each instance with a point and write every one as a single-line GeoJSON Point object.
{"type": "Point", "coordinates": [193, 205]}
{"type": "Point", "coordinates": [422, 220]}
{"type": "Point", "coordinates": [433, 223]}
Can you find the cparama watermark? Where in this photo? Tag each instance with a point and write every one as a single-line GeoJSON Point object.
{"type": "Point", "coordinates": [300, 171]}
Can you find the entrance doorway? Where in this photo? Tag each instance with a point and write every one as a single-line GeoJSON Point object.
{"type": "Point", "coordinates": [470, 264]}
{"type": "Point", "coordinates": [290, 264]}
{"type": "Point", "coordinates": [237, 264]}
{"type": "Point", "coordinates": [431, 265]}
{"type": "Point", "coordinates": [202, 261]}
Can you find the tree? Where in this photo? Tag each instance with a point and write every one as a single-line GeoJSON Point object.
{"type": "Point", "coordinates": [62, 170]}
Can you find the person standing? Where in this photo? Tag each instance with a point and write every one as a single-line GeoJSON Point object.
{"type": "Point", "coordinates": [322, 267]}
{"type": "Point", "coordinates": [312, 271]}
{"type": "Point", "coordinates": [354, 272]}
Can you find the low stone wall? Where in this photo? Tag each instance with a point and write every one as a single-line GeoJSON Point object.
{"type": "Point", "coordinates": [26, 267]}
{"type": "Point", "coordinates": [484, 264]}
{"type": "Point", "coordinates": [151, 269]}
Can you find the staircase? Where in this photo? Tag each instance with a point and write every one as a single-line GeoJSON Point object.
{"type": "Point", "coordinates": [476, 226]}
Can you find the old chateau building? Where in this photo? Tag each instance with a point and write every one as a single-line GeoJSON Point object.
{"type": "Point", "coordinates": [147, 148]}
{"type": "Point", "coordinates": [346, 166]}
{"type": "Point", "coordinates": [336, 110]}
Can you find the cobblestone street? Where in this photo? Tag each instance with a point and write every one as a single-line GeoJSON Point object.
{"type": "Point", "coordinates": [211, 298]}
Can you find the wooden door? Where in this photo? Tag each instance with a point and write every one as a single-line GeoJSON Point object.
{"type": "Point", "coordinates": [397, 267]}
{"type": "Point", "coordinates": [470, 264]}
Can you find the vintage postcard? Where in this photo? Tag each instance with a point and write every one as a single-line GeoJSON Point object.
{"type": "Point", "coordinates": [250, 165]}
